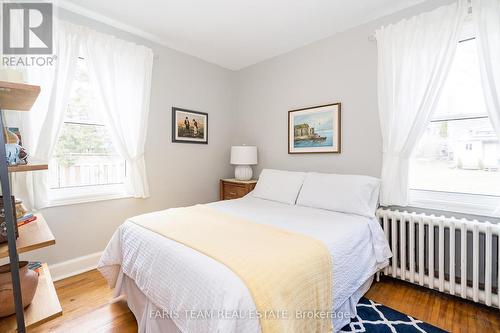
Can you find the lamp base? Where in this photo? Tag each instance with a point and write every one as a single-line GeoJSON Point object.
{"type": "Point", "coordinates": [243, 172]}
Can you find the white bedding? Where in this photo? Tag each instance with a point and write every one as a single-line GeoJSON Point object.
{"type": "Point", "coordinates": [176, 278]}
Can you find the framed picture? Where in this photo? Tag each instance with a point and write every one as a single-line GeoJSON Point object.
{"type": "Point", "coordinates": [189, 126]}
{"type": "Point", "coordinates": [15, 130]}
{"type": "Point", "coordinates": [314, 130]}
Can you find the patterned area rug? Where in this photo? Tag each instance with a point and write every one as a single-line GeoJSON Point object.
{"type": "Point", "coordinates": [377, 318]}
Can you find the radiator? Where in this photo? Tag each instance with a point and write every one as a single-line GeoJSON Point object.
{"type": "Point", "coordinates": [455, 256]}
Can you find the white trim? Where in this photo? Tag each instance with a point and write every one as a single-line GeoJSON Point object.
{"type": "Point", "coordinates": [74, 266]}
{"type": "Point", "coordinates": [69, 6]}
{"type": "Point", "coordinates": [465, 203]}
{"type": "Point", "coordinates": [83, 194]}
{"type": "Point", "coordinates": [76, 201]}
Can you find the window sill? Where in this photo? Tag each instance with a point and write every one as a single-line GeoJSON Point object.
{"type": "Point", "coordinates": [80, 195]}
{"type": "Point", "coordinates": [483, 205]}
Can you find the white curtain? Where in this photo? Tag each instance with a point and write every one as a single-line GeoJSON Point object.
{"type": "Point", "coordinates": [121, 74]}
{"type": "Point", "coordinates": [40, 126]}
{"type": "Point", "coordinates": [414, 58]}
{"type": "Point", "coordinates": [486, 16]}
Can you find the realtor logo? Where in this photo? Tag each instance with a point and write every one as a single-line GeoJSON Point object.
{"type": "Point", "coordinates": [27, 28]}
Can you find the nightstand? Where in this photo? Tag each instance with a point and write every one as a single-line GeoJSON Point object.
{"type": "Point", "coordinates": [234, 189]}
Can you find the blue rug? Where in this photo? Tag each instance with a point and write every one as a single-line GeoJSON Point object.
{"type": "Point", "coordinates": [377, 318]}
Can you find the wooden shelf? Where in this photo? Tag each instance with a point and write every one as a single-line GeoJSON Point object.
{"type": "Point", "coordinates": [17, 96]}
{"type": "Point", "coordinates": [44, 307]}
{"type": "Point", "coordinates": [28, 167]}
{"type": "Point", "coordinates": [32, 236]}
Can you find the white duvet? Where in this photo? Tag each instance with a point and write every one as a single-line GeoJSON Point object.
{"type": "Point", "coordinates": [192, 288]}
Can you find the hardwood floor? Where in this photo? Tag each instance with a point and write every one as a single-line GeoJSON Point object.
{"type": "Point", "coordinates": [85, 300]}
{"type": "Point", "coordinates": [87, 307]}
{"type": "Point", "coordinates": [444, 311]}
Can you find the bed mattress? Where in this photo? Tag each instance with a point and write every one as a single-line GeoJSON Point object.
{"type": "Point", "coordinates": [192, 289]}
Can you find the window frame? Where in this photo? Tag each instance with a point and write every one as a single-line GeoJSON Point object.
{"type": "Point", "coordinates": [87, 193]}
{"type": "Point", "coordinates": [71, 195]}
{"type": "Point", "coordinates": [467, 203]}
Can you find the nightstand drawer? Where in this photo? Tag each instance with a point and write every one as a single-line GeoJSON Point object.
{"type": "Point", "coordinates": [234, 189]}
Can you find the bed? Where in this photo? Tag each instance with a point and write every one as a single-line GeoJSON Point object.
{"type": "Point", "coordinates": [162, 278]}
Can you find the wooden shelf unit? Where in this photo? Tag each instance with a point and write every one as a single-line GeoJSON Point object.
{"type": "Point", "coordinates": [35, 235]}
{"type": "Point", "coordinates": [44, 307]}
{"type": "Point", "coordinates": [28, 167]}
{"type": "Point", "coordinates": [17, 96]}
{"type": "Point", "coordinates": [32, 236]}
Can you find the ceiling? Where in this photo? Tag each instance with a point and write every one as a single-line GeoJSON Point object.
{"type": "Point", "coordinates": [235, 33]}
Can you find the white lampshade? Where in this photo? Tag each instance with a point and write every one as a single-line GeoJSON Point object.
{"type": "Point", "coordinates": [243, 155]}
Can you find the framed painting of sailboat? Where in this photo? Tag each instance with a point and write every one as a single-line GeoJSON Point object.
{"type": "Point", "coordinates": [314, 130]}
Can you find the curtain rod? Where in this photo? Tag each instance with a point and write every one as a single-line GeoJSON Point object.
{"type": "Point", "coordinates": [372, 37]}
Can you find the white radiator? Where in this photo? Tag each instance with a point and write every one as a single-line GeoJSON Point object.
{"type": "Point", "coordinates": [456, 256]}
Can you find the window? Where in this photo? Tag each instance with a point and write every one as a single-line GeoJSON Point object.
{"type": "Point", "coordinates": [85, 165]}
{"type": "Point", "coordinates": [456, 163]}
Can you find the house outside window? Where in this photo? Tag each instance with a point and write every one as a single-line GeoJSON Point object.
{"type": "Point", "coordinates": [456, 165]}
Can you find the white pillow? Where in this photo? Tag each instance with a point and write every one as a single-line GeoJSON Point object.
{"type": "Point", "coordinates": [351, 194]}
{"type": "Point", "coordinates": [278, 185]}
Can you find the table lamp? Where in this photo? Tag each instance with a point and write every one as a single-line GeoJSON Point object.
{"type": "Point", "coordinates": [243, 157]}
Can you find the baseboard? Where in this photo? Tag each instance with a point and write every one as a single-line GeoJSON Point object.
{"type": "Point", "coordinates": [74, 266]}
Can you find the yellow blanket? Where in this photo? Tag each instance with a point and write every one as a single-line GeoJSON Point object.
{"type": "Point", "coordinates": [288, 275]}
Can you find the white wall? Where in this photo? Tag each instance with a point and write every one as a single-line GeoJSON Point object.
{"type": "Point", "coordinates": [179, 174]}
{"type": "Point", "coordinates": [341, 68]}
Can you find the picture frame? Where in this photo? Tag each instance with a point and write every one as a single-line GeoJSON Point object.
{"type": "Point", "coordinates": [189, 126]}
{"type": "Point", "coordinates": [3, 222]}
{"type": "Point", "coordinates": [315, 129]}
